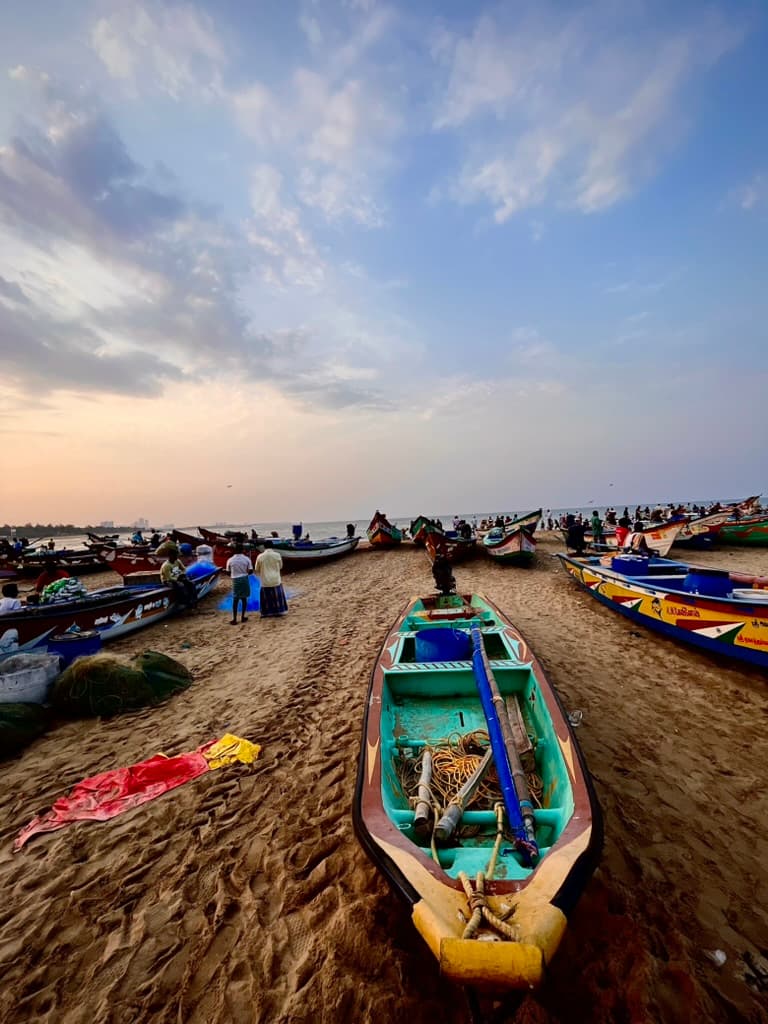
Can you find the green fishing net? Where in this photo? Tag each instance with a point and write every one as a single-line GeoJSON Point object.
{"type": "Point", "coordinates": [103, 685]}
{"type": "Point", "coordinates": [19, 725]}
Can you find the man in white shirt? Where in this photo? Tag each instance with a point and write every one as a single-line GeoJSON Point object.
{"type": "Point", "coordinates": [10, 602]}
{"type": "Point", "coordinates": [239, 568]}
{"type": "Point", "coordinates": [272, 600]}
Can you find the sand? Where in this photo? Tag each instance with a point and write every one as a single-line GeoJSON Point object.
{"type": "Point", "coordinates": [244, 896]}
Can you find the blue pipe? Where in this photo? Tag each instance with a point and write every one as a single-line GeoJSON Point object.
{"type": "Point", "coordinates": [503, 771]}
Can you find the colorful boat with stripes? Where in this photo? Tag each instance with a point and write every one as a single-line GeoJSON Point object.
{"type": "Point", "coordinates": [658, 538]}
{"type": "Point", "coordinates": [752, 530]}
{"type": "Point", "coordinates": [419, 529]}
{"type": "Point", "coordinates": [112, 611]}
{"type": "Point", "coordinates": [528, 521]}
{"type": "Point", "coordinates": [510, 547]}
{"type": "Point", "coordinates": [472, 795]}
{"type": "Point", "coordinates": [718, 611]}
{"type": "Point", "coordinates": [381, 533]}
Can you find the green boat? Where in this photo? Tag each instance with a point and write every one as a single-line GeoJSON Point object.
{"type": "Point", "coordinates": [752, 531]}
{"type": "Point", "coordinates": [457, 702]}
{"type": "Point", "coordinates": [515, 546]}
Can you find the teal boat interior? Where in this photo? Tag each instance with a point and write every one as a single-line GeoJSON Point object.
{"type": "Point", "coordinates": [426, 703]}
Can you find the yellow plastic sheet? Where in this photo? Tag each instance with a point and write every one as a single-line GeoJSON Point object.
{"type": "Point", "coordinates": [230, 749]}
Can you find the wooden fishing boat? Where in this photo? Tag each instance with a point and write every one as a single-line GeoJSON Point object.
{"type": "Point", "coordinates": [514, 547]}
{"type": "Point", "coordinates": [77, 563]}
{"type": "Point", "coordinates": [752, 530]}
{"type": "Point", "coordinates": [113, 611]}
{"type": "Point", "coordinates": [125, 561]}
{"type": "Point", "coordinates": [438, 861]}
{"type": "Point", "coordinates": [419, 527]}
{"type": "Point", "coordinates": [300, 554]}
{"type": "Point", "coordinates": [212, 537]}
{"type": "Point", "coordinates": [528, 521]}
{"type": "Point", "coordinates": [721, 612]}
{"type": "Point", "coordinates": [450, 545]}
{"type": "Point", "coordinates": [182, 537]}
{"type": "Point", "coordinates": [659, 537]}
{"type": "Point", "coordinates": [702, 532]}
{"type": "Point", "coordinates": [381, 533]}
{"type": "Point", "coordinates": [103, 538]}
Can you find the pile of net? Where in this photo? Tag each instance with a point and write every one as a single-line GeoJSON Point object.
{"type": "Point", "coordinates": [19, 725]}
{"type": "Point", "coordinates": [63, 590]}
{"type": "Point", "coordinates": [103, 685]}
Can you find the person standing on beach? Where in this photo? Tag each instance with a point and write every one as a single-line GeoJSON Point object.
{"type": "Point", "coordinates": [272, 600]}
{"type": "Point", "coordinates": [597, 528]}
{"type": "Point", "coordinates": [239, 567]}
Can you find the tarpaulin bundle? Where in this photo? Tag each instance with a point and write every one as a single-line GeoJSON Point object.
{"type": "Point", "coordinates": [104, 796]}
{"type": "Point", "coordinates": [103, 685]}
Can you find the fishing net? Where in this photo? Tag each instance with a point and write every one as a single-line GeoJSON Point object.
{"type": "Point", "coordinates": [63, 590]}
{"type": "Point", "coordinates": [454, 761]}
{"type": "Point", "coordinates": [102, 685]}
{"type": "Point", "coordinates": [20, 724]}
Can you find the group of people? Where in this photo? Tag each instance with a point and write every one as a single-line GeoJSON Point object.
{"type": "Point", "coordinates": [268, 567]}
{"type": "Point", "coordinates": [173, 572]}
{"type": "Point", "coordinates": [490, 522]}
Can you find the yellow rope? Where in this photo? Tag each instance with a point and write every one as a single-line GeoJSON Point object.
{"type": "Point", "coordinates": [480, 910]}
{"type": "Point", "coordinates": [499, 808]}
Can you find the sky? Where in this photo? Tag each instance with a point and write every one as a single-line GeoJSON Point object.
{"type": "Point", "coordinates": [280, 261]}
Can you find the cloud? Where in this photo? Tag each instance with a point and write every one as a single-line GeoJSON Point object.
{"type": "Point", "coordinates": [111, 281]}
{"type": "Point", "coordinates": [330, 126]}
{"type": "Point", "coordinates": [577, 110]}
{"type": "Point", "coordinates": [38, 350]}
{"type": "Point", "coordinates": [174, 47]}
{"type": "Point", "coordinates": [754, 193]}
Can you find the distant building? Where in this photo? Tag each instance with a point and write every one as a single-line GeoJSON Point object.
{"type": "Point", "coordinates": [107, 524]}
{"type": "Point", "coordinates": [141, 524]}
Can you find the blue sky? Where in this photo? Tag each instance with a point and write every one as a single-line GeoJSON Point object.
{"type": "Point", "coordinates": [354, 255]}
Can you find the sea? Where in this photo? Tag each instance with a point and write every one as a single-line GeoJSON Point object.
{"type": "Point", "coordinates": [338, 527]}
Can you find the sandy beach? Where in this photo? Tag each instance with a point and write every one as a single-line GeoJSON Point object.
{"type": "Point", "coordinates": [244, 896]}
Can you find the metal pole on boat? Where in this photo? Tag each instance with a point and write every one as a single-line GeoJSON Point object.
{"type": "Point", "coordinates": [512, 781]}
{"type": "Point", "coordinates": [423, 811]}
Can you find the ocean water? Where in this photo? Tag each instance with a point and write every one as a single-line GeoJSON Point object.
{"type": "Point", "coordinates": [338, 527]}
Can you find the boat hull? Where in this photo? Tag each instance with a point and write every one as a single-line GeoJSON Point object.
{"type": "Point", "coordinates": [733, 628]}
{"type": "Point", "coordinates": [658, 538]}
{"type": "Point", "coordinates": [516, 548]}
{"type": "Point", "coordinates": [455, 549]}
{"type": "Point", "coordinates": [419, 528]}
{"type": "Point", "coordinates": [442, 696]}
{"type": "Point", "coordinates": [113, 612]}
{"type": "Point", "coordinates": [82, 565]}
{"type": "Point", "coordinates": [753, 532]}
{"type": "Point", "coordinates": [296, 555]}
